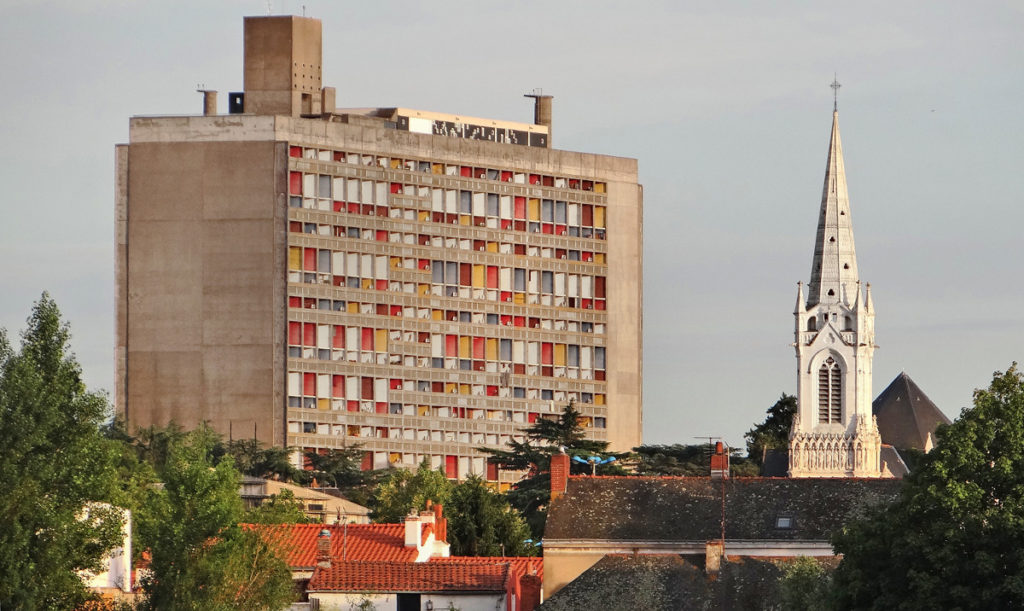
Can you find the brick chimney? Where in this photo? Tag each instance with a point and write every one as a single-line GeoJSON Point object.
{"type": "Point", "coordinates": [529, 592]}
{"type": "Point", "coordinates": [440, 524]}
{"type": "Point", "coordinates": [559, 474]}
{"type": "Point", "coordinates": [323, 549]}
{"type": "Point", "coordinates": [720, 462]}
{"type": "Point", "coordinates": [413, 530]}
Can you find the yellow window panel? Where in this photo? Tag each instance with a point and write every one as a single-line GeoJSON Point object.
{"type": "Point", "coordinates": [534, 209]}
{"type": "Point", "coordinates": [437, 314]}
{"type": "Point", "coordinates": [599, 188]}
{"type": "Point", "coordinates": [368, 283]}
{"type": "Point", "coordinates": [423, 410]}
{"type": "Point", "coordinates": [492, 349]}
{"type": "Point", "coordinates": [353, 307]}
{"type": "Point", "coordinates": [353, 431]}
{"type": "Point", "coordinates": [464, 389]}
{"type": "Point", "coordinates": [295, 258]}
{"type": "Point", "coordinates": [437, 168]}
{"type": "Point", "coordinates": [381, 343]}
{"type": "Point", "coordinates": [599, 216]}
{"type": "Point", "coordinates": [560, 355]}
{"type": "Point", "coordinates": [519, 298]}
{"type": "Point", "coordinates": [396, 164]}
{"type": "Point", "coordinates": [424, 289]}
{"type": "Point", "coordinates": [394, 458]}
{"type": "Point", "coordinates": [479, 276]}
{"type": "Point", "coordinates": [450, 387]}
{"type": "Point", "coordinates": [598, 399]}
{"type": "Point", "coordinates": [396, 262]}
{"type": "Point", "coordinates": [465, 219]}
{"type": "Point", "coordinates": [424, 215]}
{"type": "Point", "coordinates": [323, 404]}
{"type": "Point", "coordinates": [464, 347]}
{"type": "Point", "coordinates": [492, 247]}
{"type": "Point", "coordinates": [599, 258]}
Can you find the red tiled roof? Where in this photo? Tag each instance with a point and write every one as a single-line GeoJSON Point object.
{"type": "Point", "coordinates": [410, 577]}
{"type": "Point", "coordinates": [297, 542]}
{"type": "Point", "coordinates": [519, 565]}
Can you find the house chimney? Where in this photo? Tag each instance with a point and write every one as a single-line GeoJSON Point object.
{"type": "Point", "coordinates": [559, 474]}
{"type": "Point", "coordinates": [714, 551]}
{"type": "Point", "coordinates": [323, 549]}
{"type": "Point", "coordinates": [530, 592]}
{"type": "Point", "coordinates": [541, 110]}
{"type": "Point", "coordinates": [440, 524]}
{"type": "Point", "coordinates": [720, 462]}
{"type": "Point", "coordinates": [413, 530]}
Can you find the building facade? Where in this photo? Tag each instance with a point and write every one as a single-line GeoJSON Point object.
{"type": "Point", "coordinates": [834, 432]}
{"type": "Point", "coordinates": [418, 283]}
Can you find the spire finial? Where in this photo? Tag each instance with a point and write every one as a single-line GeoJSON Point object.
{"type": "Point", "coordinates": [835, 92]}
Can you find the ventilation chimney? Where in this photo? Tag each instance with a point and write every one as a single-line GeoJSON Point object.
{"type": "Point", "coordinates": [440, 524]}
{"type": "Point", "coordinates": [720, 462]}
{"type": "Point", "coordinates": [559, 474]}
{"type": "Point", "coordinates": [713, 553]}
{"type": "Point", "coordinates": [323, 549]}
{"type": "Point", "coordinates": [413, 530]}
{"type": "Point", "coordinates": [209, 101]}
{"type": "Point", "coordinates": [541, 110]}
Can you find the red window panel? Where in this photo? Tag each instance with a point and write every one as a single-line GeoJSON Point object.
{"type": "Point", "coordinates": [531, 417]}
{"type": "Point", "coordinates": [338, 387]}
{"type": "Point", "coordinates": [309, 259]}
{"type": "Point", "coordinates": [451, 345]}
{"type": "Point", "coordinates": [599, 286]}
{"type": "Point", "coordinates": [520, 208]}
{"type": "Point", "coordinates": [396, 187]}
{"type": "Point", "coordinates": [339, 156]}
{"type": "Point", "coordinates": [294, 302]}
{"type": "Point", "coordinates": [381, 408]}
{"type": "Point", "coordinates": [338, 206]}
{"type": "Point", "coordinates": [382, 285]}
{"type": "Point", "coordinates": [588, 215]}
{"type": "Point", "coordinates": [519, 321]}
{"type": "Point", "coordinates": [547, 228]}
{"type": "Point", "coordinates": [478, 348]}
{"type": "Point", "coordinates": [518, 368]}
{"type": "Point", "coordinates": [599, 304]}
{"type": "Point", "coordinates": [574, 183]}
{"type": "Point", "coordinates": [451, 466]}
{"type": "Point", "coordinates": [338, 341]}
{"type": "Point", "coordinates": [478, 365]}
{"type": "Point", "coordinates": [368, 209]}
{"type": "Point", "coordinates": [506, 224]}
{"type": "Point", "coordinates": [506, 296]}
{"type": "Point", "coordinates": [465, 274]}
{"type": "Point", "coordinates": [396, 310]}
{"type": "Point", "coordinates": [367, 464]}
{"type": "Point", "coordinates": [353, 406]}
{"type": "Point", "coordinates": [338, 281]}
{"type": "Point", "coordinates": [382, 309]}
{"type": "Point", "coordinates": [295, 151]}
{"type": "Point", "coordinates": [423, 264]}
{"type": "Point", "coordinates": [382, 211]}
{"type": "Point", "coordinates": [492, 391]}
{"type": "Point", "coordinates": [309, 303]}
{"type": "Point", "coordinates": [519, 249]}
{"type": "Point", "coordinates": [353, 208]}
{"type": "Point", "coordinates": [295, 333]}
{"type": "Point", "coordinates": [382, 236]}
{"type": "Point", "coordinates": [506, 176]}
{"type": "Point", "coordinates": [306, 463]}
{"type": "Point", "coordinates": [588, 185]}
{"type": "Point", "coordinates": [559, 229]}
{"type": "Point", "coordinates": [437, 387]}
{"type": "Point", "coordinates": [367, 343]}
{"type": "Point", "coordinates": [492, 471]}
{"type": "Point", "coordinates": [295, 227]}
{"type": "Point", "coordinates": [295, 183]}
{"type": "Point", "coordinates": [587, 256]}
{"type": "Point", "coordinates": [534, 179]}
{"type": "Point", "coordinates": [533, 323]}
{"type": "Point", "coordinates": [548, 181]}
{"type": "Point", "coordinates": [546, 353]}
{"type": "Point", "coordinates": [519, 226]}
{"type": "Point", "coordinates": [367, 389]}
{"type": "Point", "coordinates": [308, 334]}
{"type": "Point", "coordinates": [492, 276]}
{"type": "Point", "coordinates": [396, 384]}
{"type": "Point", "coordinates": [309, 384]}
{"type": "Point", "coordinates": [586, 304]}
{"type": "Point", "coordinates": [479, 172]}
{"type": "Point", "coordinates": [466, 171]}
{"type": "Point", "coordinates": [506, 319]}
{"type": "Point", "coordinates": [599, 374]}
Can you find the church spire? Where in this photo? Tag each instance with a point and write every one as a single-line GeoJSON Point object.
{"type": "Point", "coordinates": [834, 267]}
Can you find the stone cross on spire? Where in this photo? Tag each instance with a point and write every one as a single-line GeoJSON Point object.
{"type": "Point", "coordinates": [835, 92]}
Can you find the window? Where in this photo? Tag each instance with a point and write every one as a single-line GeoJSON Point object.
{"type": "Point", "coordinates": [830, 388]}
{"type": "Point", "coordinates": [784, 522]}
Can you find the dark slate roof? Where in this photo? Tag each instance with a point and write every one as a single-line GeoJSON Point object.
{"type": "Point", "coordinates": [670, 583]}
{"type": "Point", "coordinates": [690, 508]}
{"type": "Point", "coordinates": [906, 415]}
{"type": "Point", "coordinates": [892, 461]}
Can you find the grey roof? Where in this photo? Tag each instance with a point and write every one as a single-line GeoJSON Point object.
{"type": "Point", "coordinates": [669, 583]}
{"type": "Point", "coordinates": [690, 508]}
{"type": "Point", "coordinates": [906, 416]}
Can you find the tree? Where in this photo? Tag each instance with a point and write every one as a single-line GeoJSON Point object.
{"type": "Point", "coordinates": [342, 468]}
{"type": "Point", "coordinates": [55, 464]}
{"type": "Point", "coordinates": [482, 523]}
{"type": "Point", "coordinates": [405, 491]}
{"type": "Point", "coordinates": [201, 558]}
{"type": "Point", "coordinates": [531, 495]}
{"type": "Point", "coordinates": [254, 459]}
{"type": "Point", "coordinates": [773, 433]}
{"type": "Point", "coordinates": [804, 584]}
{"type": "Point", "coordinates": [686, 460]}
{"type": "Point", "coordinates": [954, 538]}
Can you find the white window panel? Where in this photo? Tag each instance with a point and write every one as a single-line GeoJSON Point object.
{"type": "Point", "coordinates": [338, 263]}
{"type": "Point", "coordinates": [309, 185]}
{"type": "Point", "coordinates": [339, 189]}
{"type": "Point", "coordinates": [323, 386]}
{"type": "Point", "coordinates": [353, 192]}
{"type": "Point", "coordinates": [294, 384]}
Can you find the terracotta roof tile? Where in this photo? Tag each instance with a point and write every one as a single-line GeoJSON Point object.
{"type": "Point", "coordinates": [365, 542]}
{"type": "Point", "coordinates": [519, 565]}
{"type": "Point", "coordinates": [410, 577]}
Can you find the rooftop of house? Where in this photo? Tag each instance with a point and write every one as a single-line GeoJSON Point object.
{"type": "Point", "coordinates": [411, 577]}
{"type": "Point", "coordinates": [518, 565]}
{"type": "Point", "coordinates": [355, 542]}
{"type": "Point", "coordinates": [907, 418]}
{"type": "Point", "coordinates": [670, 582]}
{"type": "Point", "coordinates": [622, 508]}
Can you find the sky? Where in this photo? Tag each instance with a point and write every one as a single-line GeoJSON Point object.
{"type": "Point", "coordinates": [726, 106]}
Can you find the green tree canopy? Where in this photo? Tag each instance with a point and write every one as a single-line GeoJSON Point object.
{"type": "Point", "coordinates": [201, 558]}
{"type": "Point", "coordinates": [281, 508]}
{"type": "Point", "coordinates": [342, 468]}
{"type": "Point", "coordinates": [404, 491]}
{"type": "Point", "coordinates": [54, 464]}
{"type": "Point", "coordinates": [482, 523]}
{"type": "Point", "coordinates": [773, 433]}
{"type": "Point", "coordinates": [954, 538]}
{"type": "Point", "coordinates": [531, 495]}
{"type": "Point", "coordinates": [686, 460]}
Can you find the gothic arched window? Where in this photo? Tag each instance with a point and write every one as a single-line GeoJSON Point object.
{"type": "Point", "coordinates": [830, 392]}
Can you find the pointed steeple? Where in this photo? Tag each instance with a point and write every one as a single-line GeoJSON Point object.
{"type": "Point", "coordinates": [834, 267]}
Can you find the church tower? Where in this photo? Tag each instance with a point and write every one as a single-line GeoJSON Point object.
{"type": "Point", "coordinates": [834, 433]}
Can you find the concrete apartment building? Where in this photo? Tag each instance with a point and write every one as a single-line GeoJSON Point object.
{"type": "Point", "coordinates": [418, 283]}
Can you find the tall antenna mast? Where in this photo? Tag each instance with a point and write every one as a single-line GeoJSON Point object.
{"type": "Point", "coordinates": [835, 92]}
